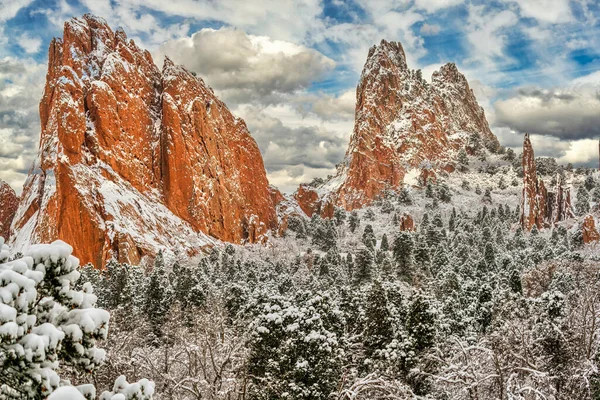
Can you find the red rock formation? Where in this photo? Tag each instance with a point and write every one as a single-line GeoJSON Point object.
{"type": "Point", "coordinates": [403, 122]}
{"type": "Point", "coordinates": [590, 234]}
{"type": "Point", "coordinates": [8, 207]}
{"type": "Point", "coordinates": [561, 206]}
{"type": "Point", "coordinates": [407, 223]}
{"type": "Point", "coordinates": [133, 159]}
{"type": "Point", "coordinates": [533, 200]}
{"type": "Point", "coordinates": [538, 206]}
{"type": "Point", "coordinates": [308, 200]}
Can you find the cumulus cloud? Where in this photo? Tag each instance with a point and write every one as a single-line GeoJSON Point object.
{"type": "Point", "coordinates": [242, 67]}
{"type": "Point", "coordinates": [486, 32]}
{"type": "Point", "coordinates": [296, 148]}
{"type": "Point", "coordinates": [546, 11]}
{"type": "Point", "coordinates": [20, 90]}
{"type": "Point", "coordinates": [10, 8]}
{"type": "Point", "coordinates": [434, 5]}
{"type": "Point", "coordinates": [328, 107]}
{"type": "Point", "coordinates": [286, 20]}
{"type": "Point", "coordinates": [29, 43]}
{"type": "Point", "coordinates": [566, 114]}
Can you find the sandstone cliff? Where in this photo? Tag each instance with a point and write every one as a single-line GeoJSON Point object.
{"type": "Point", "coordinates": [540, 207]}
{"type": "Point", "coordinates": [402, 123]}
{"type": "Point", "coordinates": [8, 207]}
{"type": "Point", "coordinates": [133, 159]}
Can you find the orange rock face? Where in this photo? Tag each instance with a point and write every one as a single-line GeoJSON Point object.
{"type": "Point", "coordinates": [533, 199]}
{"type": "Point", "coordinates": [538, 206]}
{"type": "Point", "coordinates": [407, 223]}
{"type": "Point", "coordinates": [134, 159]}
{"type": "Point", "coordinates": [590, 234]}
{"type": "Point", "coordinates": [8, 207]}
{"type": "Point", "coordinates": [403, 122]}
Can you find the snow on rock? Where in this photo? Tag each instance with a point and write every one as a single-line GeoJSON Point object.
{"type": "Point", "coordinates": [133, 159]}
{"type": "Point", "coordinates": [590, 234]}
{"type": "Point", "coordinates": [536, 207]}
{"type": "Point", "coordinates": [401, 120]}
{"type": "Point", "coordinates": [9, 202]}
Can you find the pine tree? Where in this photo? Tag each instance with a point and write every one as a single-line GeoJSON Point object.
{"type": "Point", "coordinates": [349, 266]}
{"type": "Point", "coordinates": [582, 203]}
{"type": "Point", "coordinates": [368, 237]}
{"type": "Point", "coordinates": [378, 323]}
{"type": "Point", "coordinates": [364, 266]}
{"type": "Point", "coordinates": [339, 214]}
{"type": "Point", "coordinates": [353, 221]}
{"type": "Point", "coordinates": [370, 214]}
{"type": "Point", "coordinates": [384, 246]}
{"type": "Point", "coordinates": [403, 255]}
{"type": "Point", "coordinates": [463, 160]}
{"type": "Point", "coordinates": [589, 183]}
{"type": "Point", "coordinates": [404, 197]}
{"type": "Point", "coordinates": [324, 234]}
{"type": "Point", "coordinates": [158, 296]}
{"type": "Point", "coordinates": [429, 191]}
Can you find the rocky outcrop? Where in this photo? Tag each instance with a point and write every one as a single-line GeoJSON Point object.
{"type": "Point", "coordinates": [9, 202]}
{"type": "Point", "coordinates": [134, 159]}
{"type": "Point", "coordinates": [407, 223]}
{"type": "Point", "coordinates": [588, 228]}
{"type": "Point", "coordinates": [534, 195]}
{"type": "Point", "coordinates": [308, 199]}
{"type": "Point", "coordinates": [540, 207]}
{"type": "Point", "coordinates": [561, 208]}
{"type": "Point", "coordinates": [403, 122]}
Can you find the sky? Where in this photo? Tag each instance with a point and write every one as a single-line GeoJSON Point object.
{"type": "Point", "coordinates": [290, 68]}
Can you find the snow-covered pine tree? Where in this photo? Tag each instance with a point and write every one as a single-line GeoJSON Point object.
{"type": "Point", "coordinates": [368, 237]}
{"type": "Point", "coordinates": [47, 326]}
{"type": "Point", "coordinates": [353, 221]}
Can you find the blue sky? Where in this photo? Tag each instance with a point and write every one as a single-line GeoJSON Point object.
{"type": "Point", "coordinates": [533, 65]}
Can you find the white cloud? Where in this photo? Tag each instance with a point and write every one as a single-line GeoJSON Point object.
{"type": "Point", "coordinates": [566, 113]}
{"type": "Point", "coordinates": [546, 11]}
{"type": "Point", "coordinates": [286, 20]}
{"type": "Point", "coordinates": [10, 8]}
{"type": "Point", "coordinates": [485, 33]}
{"type": "Point", "coordinates": [296, 148]}
{"type": "Point", "coordinates": [244, 67]}
{"type": "Point", "coordinates": [21, 83]}
{"type": "Point", "coordinates": [29, 44]}
{"type": "Point", "coordinates": [432, 6]}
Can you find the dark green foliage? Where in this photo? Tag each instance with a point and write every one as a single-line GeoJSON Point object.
{"type": "Point", "coordinates": [368, 237]}
{"type": "Point", "coordinates": [353, 221]}
{"type": "Point", "coordinates": [384, 246]}
{"type": "Point", "coordinates": [363, 271]}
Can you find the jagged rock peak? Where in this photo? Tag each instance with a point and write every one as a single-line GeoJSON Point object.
{"type": "Point", "coordinates": [386, 55]}
{"type": "Point", "coordinates": [134, 159]}
{"type": "Point", "coordinates": [402, 123]}
{"type": "Point", "coordinates": [540, 207]}
{"type": "Point", "coordinates": [9, 201]}
{"type": "Point", "coordinates": [534, 195]}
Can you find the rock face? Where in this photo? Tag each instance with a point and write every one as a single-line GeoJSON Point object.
{"type": "Point", "coordinates": [8, 207]}
{"type": "Point", "coordinates": [533, 199]}
{"type": "Point", "coordinates": [133, 159]}
{"type": "Point", "coordinates": [403, 122]}
{"type": "Point", "coordinates": [561, 208]}
{"type": "Point", "coordinates": [538, 206]}
{"type": "Point", "coordinates": [407, 223]}
{"type": "Point", "coordinates": [588, 228]}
